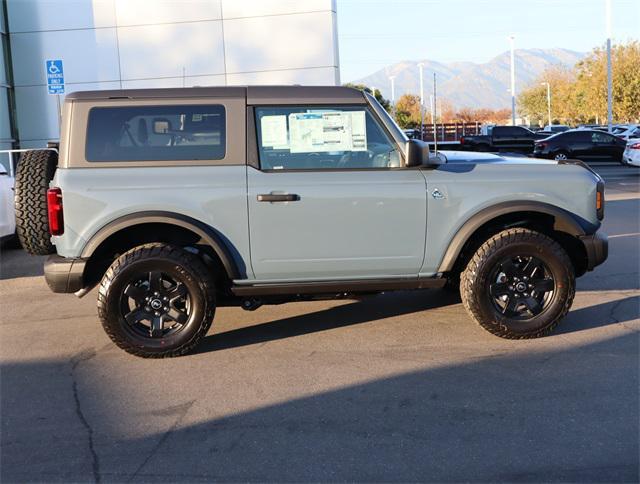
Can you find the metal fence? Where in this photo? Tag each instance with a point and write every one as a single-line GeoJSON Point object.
{"type": "Point", "coordinates": [450, 131]}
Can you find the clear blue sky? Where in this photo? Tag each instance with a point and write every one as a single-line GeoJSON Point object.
{"type": "Point", "coordinates": [376, 33]}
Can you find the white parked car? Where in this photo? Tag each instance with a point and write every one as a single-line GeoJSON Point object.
{"type": "Point", "coordinates": [631, 155]}
{"type": "Point", "coordinates": [628, 131]}
{"type": "Point", "coordinates": [7, 212]}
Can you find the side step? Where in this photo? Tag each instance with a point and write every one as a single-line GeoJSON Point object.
{"type": "Point", "coordinates": [331, 287]}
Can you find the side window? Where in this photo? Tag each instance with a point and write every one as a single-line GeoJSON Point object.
{"type": "Point", "coordinates": [156, 133]}
{"type": "Point", "coordinates": [520, 131]}
{"type": "Point", "coordinates": [598, 137]}
{"type": "Point", "coordinates": [322, 138]}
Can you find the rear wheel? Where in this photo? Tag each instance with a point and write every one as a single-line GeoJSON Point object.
{"type": "Point", "coordinates": [561, 156]}
{"type": "Point", "coordinates": [519, 284]}
{"type": "Point", "coordinates": [157, 301]}
{"type": "Point", "coordinates": [35, 170]}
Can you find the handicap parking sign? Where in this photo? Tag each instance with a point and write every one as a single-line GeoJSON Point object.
{"type": "Point", "coordinates": [55, 76]}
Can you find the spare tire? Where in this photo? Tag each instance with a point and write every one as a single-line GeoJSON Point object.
{"type": "Point", "coordinates": [35, 171]}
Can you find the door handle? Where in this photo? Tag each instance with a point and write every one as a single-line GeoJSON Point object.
{"type": "Point", "coordinates": [272, 197]}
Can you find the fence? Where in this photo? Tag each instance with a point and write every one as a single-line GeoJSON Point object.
{"type": "Point", "coordinates": [450, 131]}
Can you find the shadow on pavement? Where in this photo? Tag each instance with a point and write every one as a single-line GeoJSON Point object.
{"type": "Point", "coordinates": [14, 263]}
{"type": "Point", "coordinates": [369, 309]}
{"type": "Point", "coordinates": [569, 415]}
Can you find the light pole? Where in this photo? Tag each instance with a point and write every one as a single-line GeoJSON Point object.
{"type": "Point", "coordinates": [548, 101]}
{"type": "Point", "coordinates": [513, 82]}
{"type": "Point", "coordinates": [420, 66]}
{"type": "Point", "coordinates": [609, 82]}
{"type": "Point", "coordinates": [393, 95]}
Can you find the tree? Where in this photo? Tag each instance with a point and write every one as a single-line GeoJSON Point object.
{"type": "Point", "coordinates": [385, 103]}
{"type": "Point", "coordinates": [408, 111]}
{"type": "Point", "coordinates": [579, 95]}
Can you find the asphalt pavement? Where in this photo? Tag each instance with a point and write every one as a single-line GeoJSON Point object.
{"type": "Point", "coordinates": [396, 387]}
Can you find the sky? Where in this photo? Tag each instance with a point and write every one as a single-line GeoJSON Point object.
{"type": "Point", "coordinates": [375, 33]}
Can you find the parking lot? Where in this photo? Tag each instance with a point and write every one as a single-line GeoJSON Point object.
{"type": "Point", "coordinates": [396, 387]}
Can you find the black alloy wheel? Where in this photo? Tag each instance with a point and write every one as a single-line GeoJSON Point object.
{"type": "Point", "coordinates": [521, 287]}
{"type": "Point", "coordinates": [155, 305]}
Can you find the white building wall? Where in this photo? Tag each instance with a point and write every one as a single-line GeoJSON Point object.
{"type": "Point", "coordinates": [112, 44]}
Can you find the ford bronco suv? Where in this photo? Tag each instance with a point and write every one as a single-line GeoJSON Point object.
{"type": "Point", "coordinates": [176, 201]}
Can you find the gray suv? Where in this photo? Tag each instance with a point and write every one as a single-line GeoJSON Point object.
{"type": "Point", "coordinates": [176, 201]}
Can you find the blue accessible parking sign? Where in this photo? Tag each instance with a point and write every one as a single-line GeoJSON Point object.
{"type": "Point", "coordinates": [55, 76]}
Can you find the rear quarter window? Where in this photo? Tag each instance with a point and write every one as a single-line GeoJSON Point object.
{"type": "Point", "coordinates": [156, 133]}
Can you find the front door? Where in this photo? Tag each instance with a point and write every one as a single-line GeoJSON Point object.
{"type": "Point", "coordinates": [330, 199]}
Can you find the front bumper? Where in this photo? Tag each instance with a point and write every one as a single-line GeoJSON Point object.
{"type": "Point", "coordinates": [597, 248]}
{"type": "Point", "coordinates": [64, 275]}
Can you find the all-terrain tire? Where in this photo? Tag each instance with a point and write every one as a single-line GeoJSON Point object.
{"type": "Point", "coordinates": [179, 265]}
{"type": "Point", "coordinates": [35, 170]}
{"type": "Point", "coordinates": [476, 279]}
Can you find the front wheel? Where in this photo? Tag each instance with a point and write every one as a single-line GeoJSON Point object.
{"type": "Point", "coordinates": [157, 301]}
{"type": "Point", "coordinates": [519, 284]}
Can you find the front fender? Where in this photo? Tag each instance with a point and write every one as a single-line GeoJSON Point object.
{"type": "Point", "coordinates": [564, 221]}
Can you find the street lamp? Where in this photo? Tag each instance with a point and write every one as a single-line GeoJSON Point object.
{"type": "Point", "coordinates": [420, 66]}
{"type": "Point", "coordinates": [609, 87]}
{"type": "Point", "coordinates": [513, 82]}
{"type": "Point", "coordinates": [548, 101]}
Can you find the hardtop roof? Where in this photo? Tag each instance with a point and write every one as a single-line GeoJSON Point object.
{"type": "Point", "coordinates": [253, 94]}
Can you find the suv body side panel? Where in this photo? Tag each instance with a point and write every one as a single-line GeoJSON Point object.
{"type": "Point", "coordinates": [470, 189]}
{"type": "Point", "coordinates": [214, 195]}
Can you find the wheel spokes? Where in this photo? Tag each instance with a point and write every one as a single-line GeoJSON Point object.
{"type": "Point", "coordinates": [155, 280]}
{"type": "Point", "coordinates": [499, 289]}
{"type": "Point", "coordinates": [509, 268]}
{"type": "Point", "coordinates": [178, 316]}
{"type": "Point", "coordinates": [136, 316]}
{"type": "Point", "coordinates": [533, 305]}
{"type": "Point", "coordinates": [511, 305]}
{"type": "Point", "coordinates": [543, 285]}
{"type": "Point", "coordinates": [157, 326]}
{"type": "Point", "coordinates": [179, 291]}
{"type": "Point", "coordinates": [531, 267]}
{"type": "Point", "coordinates": [135, 292]}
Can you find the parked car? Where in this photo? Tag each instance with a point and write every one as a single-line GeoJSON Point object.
{"type": "Point", "coordinates": [7, 213]}
{"type": "Point", "coordinates": [597, 127]}
{"type": "Point", "coordinates": [627, 132]}
{"type": "Point", "coordinates": [177, 201]}
{"type": "Point", "coordinates": [583, 144]}
{"type": "Point", "coordinates": [502, 138]}
{"type": "Point", "coordinates": [555, 128]}
{"type": "Point", "coordinates": [412, 133]}
{"type": "Point", "coordinates": [631, 155]}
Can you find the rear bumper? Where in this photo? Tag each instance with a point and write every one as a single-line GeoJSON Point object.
{"type": "Point", "coordinates": [64, 275]}
{"type": "Point", "coordinates": [597, 248]}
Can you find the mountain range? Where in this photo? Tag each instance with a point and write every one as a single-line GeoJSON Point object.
{"type": "Point", "coordinates": [467, 84]}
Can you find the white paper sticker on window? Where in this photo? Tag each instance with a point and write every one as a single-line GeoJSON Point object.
{"type": "Point", "coordinates": [274, 132]}
{"type": "Point", "coordinates": [321, 131]}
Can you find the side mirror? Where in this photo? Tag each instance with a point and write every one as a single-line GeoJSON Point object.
{"type": "Point", "coordinates": [418, 154]}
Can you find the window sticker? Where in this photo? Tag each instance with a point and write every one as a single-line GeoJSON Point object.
{"type": "Point", "coordinates": [274, 132]}
{"type": "Point", "coordinates": [323, 131]}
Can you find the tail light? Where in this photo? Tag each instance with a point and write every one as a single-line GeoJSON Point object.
{"type": "Point", "coordinates": [634, 146]}
{"type": "Point", "coordinates": [462, 140]}
{"type": "Point", "coordinates": [54, 209]}
{"type": "Point", "coordinates": [540, 145]}
{"type": "Point", "coordinates": [600, 200]}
